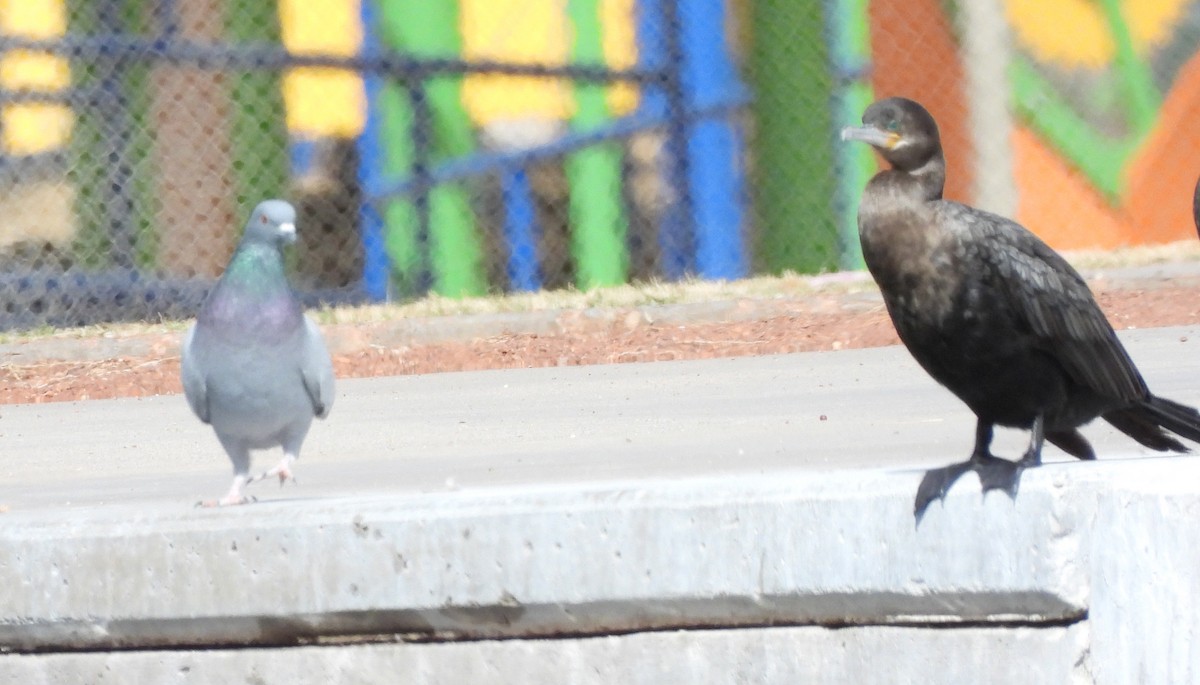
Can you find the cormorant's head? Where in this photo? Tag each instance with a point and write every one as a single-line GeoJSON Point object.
{"type": "Point", "coordinates": [902, 130]}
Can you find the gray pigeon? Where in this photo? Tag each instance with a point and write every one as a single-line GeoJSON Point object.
{"type": "Point", "coordinates": [254, 366]}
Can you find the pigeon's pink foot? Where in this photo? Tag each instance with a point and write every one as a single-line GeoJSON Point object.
{"type": "Point", "coordinates": [231, 498]}
{"type": "Point", "coordinates": [282, 471]}
{"type": "Point", "coordinates": [226, 501]}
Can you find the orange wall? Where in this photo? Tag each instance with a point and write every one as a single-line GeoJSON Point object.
{"type": "Point", "coordinates": [1059, 204]}
{"type": "Point", "coordinates": [1162, 175]}
{"type": "Point", "coordinates": [914, 55]}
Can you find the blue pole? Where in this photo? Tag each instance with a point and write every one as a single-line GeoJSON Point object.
{"type": "Point", "coordinates": [714, 170]}
{"type": "Point", "coordinates": [376, 265]}
{"type": "Point", "coordinates": [520, 231]}
{"type": "Point", "coordinates": [659, 50]}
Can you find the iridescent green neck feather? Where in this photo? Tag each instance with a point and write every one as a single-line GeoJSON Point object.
{"type": "Point", "coordinates": [253, 296]}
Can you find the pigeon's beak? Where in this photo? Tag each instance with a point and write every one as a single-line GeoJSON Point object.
{"type": "Point", "coordinates": [288, 233]}
{"type": "Point", "coordinates": [872, 136]}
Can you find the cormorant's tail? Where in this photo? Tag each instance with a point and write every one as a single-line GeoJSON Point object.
{"type": "Point", "coordinates": [1146, 421]}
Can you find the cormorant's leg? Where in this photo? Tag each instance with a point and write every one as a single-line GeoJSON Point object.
{"type": "Point", "coordinates": [994, 473]}
{"type": "Point", "coordinates": [983, 441]}
{"type": "Point", "coordinates": [1037, 438]}
{"type": "Point", "coordinates": [937, 482]}
{"type": "Point", "coordinates": [1006, 475]}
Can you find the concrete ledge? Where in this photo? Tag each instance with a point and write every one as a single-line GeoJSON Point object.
{"type": "Point", "coordinates": [833, 548]}
{"type": "Point", "coordinates": [1094, 564]}
{"type": "Point", "coordinates": [810, 655]}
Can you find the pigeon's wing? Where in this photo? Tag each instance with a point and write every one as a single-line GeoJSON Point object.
{"type": "Point", "coordinates": [316, 369]}
{"type": "Point", "coordinates": [195, 388]}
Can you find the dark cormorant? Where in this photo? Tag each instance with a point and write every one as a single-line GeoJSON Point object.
{"type": "Point", "coordinates": [994, 314]}
{"type": "Point", "coordinates": [1196, 206]}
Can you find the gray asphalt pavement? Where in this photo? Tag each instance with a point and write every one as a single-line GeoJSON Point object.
{"type": "Point", "coordinates": [818, 411]}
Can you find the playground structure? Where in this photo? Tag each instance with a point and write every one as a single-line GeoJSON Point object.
{"type": "Point", "coordinates": [478, 146]}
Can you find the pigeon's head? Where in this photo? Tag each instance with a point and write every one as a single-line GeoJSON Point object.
{"type": "Point", "coordinates": [902, 130]}
{"type": "Point", "coordinates": [272, 222]}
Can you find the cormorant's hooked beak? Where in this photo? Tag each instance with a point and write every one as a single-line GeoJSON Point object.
{"type": "Point", "coordinates": [288, 232]}
{"type": "Point", "coordinates": [886, 140]}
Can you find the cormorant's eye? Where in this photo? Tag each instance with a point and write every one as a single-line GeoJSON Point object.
{"type": "Point", "coordinates": [893, 125]}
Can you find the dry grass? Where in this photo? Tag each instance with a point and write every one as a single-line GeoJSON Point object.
{"type": "Point", "coordinates": [623, 296]}
{"type": "Point", "coordinates": [1144, 255]}
{"type": "Point", "coordinates": [789, 285]}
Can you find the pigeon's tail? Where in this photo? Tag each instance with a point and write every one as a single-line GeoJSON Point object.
{"type": "Point", "coordinates": [1146, 421]}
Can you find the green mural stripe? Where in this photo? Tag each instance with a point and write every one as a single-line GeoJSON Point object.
{"type": "Point", "coordinates": [1100, 158]}
{"type": "Point", "coordinates": [400, 215]}
{"type": "Point", "coordinates": [430, 29]}
{"type": "Point", "coordinates": [797, 225]}
{"type": "Point", "coordinates": [594, 174]}
{"type": "Point", "coordinates": [850, 48]}
{"type": "Point", "coordinates": [259, 137]}
{"type": "Point", "coordinates": [1137, 83]}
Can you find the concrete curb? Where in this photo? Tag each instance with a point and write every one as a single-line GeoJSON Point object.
{"type": "Point", "coordinates": [829, 549]}
{"type": "Point", "coordinates": [1100, 554]}
{"type": "Point", "coordinates": [808, 655]}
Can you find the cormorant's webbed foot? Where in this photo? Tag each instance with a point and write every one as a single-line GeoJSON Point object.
{"type": "Point", "coordinates": [994, 474]}
{"type": "Point", "coordinates": [1001, 474]}
{"type": "Point", "coordinates": [936, 483]}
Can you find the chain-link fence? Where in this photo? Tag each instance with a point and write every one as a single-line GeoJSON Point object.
{"type": "Point", "coordinates": [480, 146]}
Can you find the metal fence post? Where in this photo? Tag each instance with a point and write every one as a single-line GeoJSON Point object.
{"type": "Point", "coordinates": [715, 183]}
{"type": "Point", "coordinates": [422, 137]}
{"type": "Point", "coordinates": [660, 50]}
{"type": "Point", "coordinates": [520, 230]}
{"type": "Point", "coordinates": [377, 266]}
{"type": "Point", "coordinates": [113, 108]}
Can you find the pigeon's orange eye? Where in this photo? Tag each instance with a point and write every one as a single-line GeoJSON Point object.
{"type": "Point", "coordinates": [262, 219]}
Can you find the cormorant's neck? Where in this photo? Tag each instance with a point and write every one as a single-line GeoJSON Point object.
{"type": "Point", "coordinates": [930, 177]}
{"type": "Point", "coordinates": [895, 223]}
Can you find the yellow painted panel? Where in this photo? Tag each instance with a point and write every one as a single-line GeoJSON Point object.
{"type": "Point", "coordinates": [1088, 43]}
{"type": "Point", "coordinates": [33, 18]}
{"type": "Point", "coordinates": [321, 27]}
{"type": "Point", "coordinates": [33, 128]}
{"type": "Point", "coordinates": [21, 70]}
{"type": "Point", "coordinates": [323, 102]}
{"type": "Point", "coordinates": [620, 50]}
{"type": "Point", "coordinates": [521, 31]}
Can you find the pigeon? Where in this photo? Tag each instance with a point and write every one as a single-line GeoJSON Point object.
{"type": "Point", "coordinates": [254, 366]}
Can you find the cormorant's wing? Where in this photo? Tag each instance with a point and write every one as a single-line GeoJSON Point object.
{"type": "Point", "coordinates": [1052, 299]}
